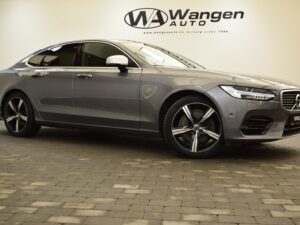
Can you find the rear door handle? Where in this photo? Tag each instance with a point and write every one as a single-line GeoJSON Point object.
{"type": "Point", "coordinates": [84, 76]}
{"type": "Point", "coordinates": [37, 75]}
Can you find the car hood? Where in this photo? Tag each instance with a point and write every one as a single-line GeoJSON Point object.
{"type": "Point", "coordinates": [234, 78]}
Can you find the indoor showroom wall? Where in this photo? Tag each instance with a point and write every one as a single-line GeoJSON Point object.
{"type": "Point", "coordinates": [265, 40]}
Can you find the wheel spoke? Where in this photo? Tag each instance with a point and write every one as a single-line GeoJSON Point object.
{"type": "Point", "coordinates": [188, 113]}
{"type": "Point", "coordinates": [11, 105]}
{"type": "Point", "coordinates": [11, 118]}
{"type": "Point", "coordinates": [24, 118]}
{"type": "Point", "coordinates": [20, 104]}
{"type": "Point", "coordinates": [211, 134]}
{"type": "Point", "coordinates": [207, 115]}
{"type": "Point", "coordinates": [195, 142]}
{"type": "Point", "coordinates": [18, 125]}
{"type": "Point", "coordinates": [182, 130]}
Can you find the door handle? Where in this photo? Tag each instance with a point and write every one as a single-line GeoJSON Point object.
{"type": "Point", "coordinates": [37, 75]}
{"type": "Point", "coordinates": [84, 76]}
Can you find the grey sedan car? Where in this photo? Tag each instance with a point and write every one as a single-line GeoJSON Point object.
{"type": "Point", "coordinates": [140, 88]}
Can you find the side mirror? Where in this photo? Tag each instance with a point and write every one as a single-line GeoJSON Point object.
{"type": "Point", "coordinates": [120, 61]}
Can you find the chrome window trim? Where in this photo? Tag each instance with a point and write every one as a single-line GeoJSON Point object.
{"type": "Point", "coordinates": [79, 68]}
{"type": "Point", "coordinates": [281, 101]}
{"type": "Point", "coordinates": [82, 42]}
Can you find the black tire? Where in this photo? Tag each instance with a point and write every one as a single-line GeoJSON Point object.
{"type": "Point", "coordinates": [18, 116]}
{"type": "Point", "coordinates": [206, 144]}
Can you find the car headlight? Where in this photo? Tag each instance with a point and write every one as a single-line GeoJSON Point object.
{"type": "Point", "coordinates": [249, 93]}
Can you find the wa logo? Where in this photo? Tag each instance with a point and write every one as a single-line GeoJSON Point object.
{"type": "Point", "coordinates": [146, 18]}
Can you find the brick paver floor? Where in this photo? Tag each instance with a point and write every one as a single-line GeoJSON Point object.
{"type": "Point", "coordinates": [75, 177]}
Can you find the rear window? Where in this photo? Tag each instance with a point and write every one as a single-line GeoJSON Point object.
{"type": "Point", "coordinates": [64, 55]}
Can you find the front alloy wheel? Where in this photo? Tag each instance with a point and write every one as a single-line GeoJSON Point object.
{"type": "Point", "coordinates": [18, 116]}
{"type": "Point", "coordinates": [194, 128]}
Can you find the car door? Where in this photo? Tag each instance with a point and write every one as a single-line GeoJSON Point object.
{"type": "Point", "coordinates": [51, 83]}
{"type": "Point", "coordinates": [104, 96]}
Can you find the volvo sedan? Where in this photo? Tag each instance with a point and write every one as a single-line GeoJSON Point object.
{"type": "Point", "coordinates": [141, 88]}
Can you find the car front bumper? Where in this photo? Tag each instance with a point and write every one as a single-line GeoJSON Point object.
{"type": "Point", "coordinates": [253, 121]}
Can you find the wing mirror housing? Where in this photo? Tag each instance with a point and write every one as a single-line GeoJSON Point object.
{"type": "Point", "coordinates": [120, 61]}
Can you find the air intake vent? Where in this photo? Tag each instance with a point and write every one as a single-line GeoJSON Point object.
{"type": "Point", "coordinates": [256, 125]}
{"type": "Point", "coordinates": [290, 100]}
{"type": "Point", "coordinates": [291, 130]}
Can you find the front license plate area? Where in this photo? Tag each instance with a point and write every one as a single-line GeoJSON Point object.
{"type": "Point", "coordinates": [294, 120]}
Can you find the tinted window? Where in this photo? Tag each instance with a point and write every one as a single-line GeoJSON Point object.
{"type": "Point", "coordinates": [94, 54]}
{"type": "Point", "coordinates": [58, 56]}
{"type": "Point", "coordinates": [36, 60]}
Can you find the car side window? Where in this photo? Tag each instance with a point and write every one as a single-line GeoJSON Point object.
{"type": "Point", "coordinates": [94, 54]}
{"type": "Point", "coordinates": [63, 55]}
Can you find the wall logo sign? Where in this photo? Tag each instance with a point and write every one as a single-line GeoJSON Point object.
{"type": "Point", "coordinates": [149, 18]}
{"type": "Point", "coordinates": [146, 18]}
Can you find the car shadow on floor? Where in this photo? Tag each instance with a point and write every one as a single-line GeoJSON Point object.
{"type": "Point", "coordinates": [260, 152]}
{"type": "Point", "coordinates": [155, 146]}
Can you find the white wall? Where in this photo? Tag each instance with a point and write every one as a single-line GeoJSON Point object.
{"type": "Point", "coordinates": [266, 41]}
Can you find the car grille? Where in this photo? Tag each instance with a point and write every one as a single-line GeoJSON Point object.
{"type": "Point", "coordinates": [288, 100]}
{"type": "Point", "coordinates": [256, 125]}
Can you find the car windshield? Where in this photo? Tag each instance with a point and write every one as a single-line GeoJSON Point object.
{"type": "Point", "coordinates": [157, 56]}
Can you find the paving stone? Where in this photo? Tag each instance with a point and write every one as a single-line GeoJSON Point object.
{"type": "Point", "coordinates": [21, 217]}
{"type": "Point", "coordinates": [165, 203]}
{"type": "Point", "coordinates": [273, 221]}
{"type": "Point", "coordinates": [146, 208]}
{"type": "Point", "coordinates": [251, 186]}
{"type": "Point", "coordinates": [241, 190]}
{"type": "Point", "coordinates": [235, 219]}
{"type": "Point", "coordinates": [40, 183]}
{"type": "Point", "coordinates": [177, 223]}
{"type": "Point", "coordinates": [295, 208]}
{"type": "Point", "coordinates": [216, 223]}
{"type": "Point", "coordinates": [45, 204]}
{"type": "Point", "coordinates": [162, 216]}
{"type": "Point", "coordinates": [3, 196]}
{"type": "Point", "coordinates": [126, 214]}
{"type": "Point", "coordinates": [277, 201]}
{"type": "Point", "coordinates": [64, 219]}
{"type": "Point", "coordinates": [126, 186]}
{"type": "Point", "coordinates": [216, 211]}
{"type": "Point", "coordinates": [78, 205]}
{"type": "Point", "coordinates": [103, 221]}
{"type": "Point", "coordinates": [137, 222]}
{"type": "Point", "coordinates": [176, 209]}
{"type": "Point", "coordinates": [90, 212]}
{"type": "Point", "coordinates": [285, 214]}
{"type": "Point", "coordinates": [8, 174]}
{"type": "Point", "coordinates": [7, 191]}
{"type": "Point", "coordinates": [112, 207]}
{"type": "Point", "coordinates": [251, 212]}
{"type": "Point", "coordinates": [5, 216]}
{"type": "Point", "coordinates": [199, 217]}
{"type": "Point", "coordinates": [100, 200]}
{"type": "Point", "coordinates": [27, 210]}
{"type": "Point", "coordinates": [54, 211]}
{"type": "Point", "coordinates": [139, 191]}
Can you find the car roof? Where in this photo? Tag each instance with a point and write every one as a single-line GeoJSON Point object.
{"type": "Point", "coordinates": [113, 41]}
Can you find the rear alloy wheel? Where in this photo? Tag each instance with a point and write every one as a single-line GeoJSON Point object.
{"type": "Point", "coordinates": [194, 128]}
{"type": "Point", "coordinates": [19, 117]}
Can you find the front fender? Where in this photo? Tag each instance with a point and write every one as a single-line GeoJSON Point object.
{"type": "Point", "coordinates": [154, 92]}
